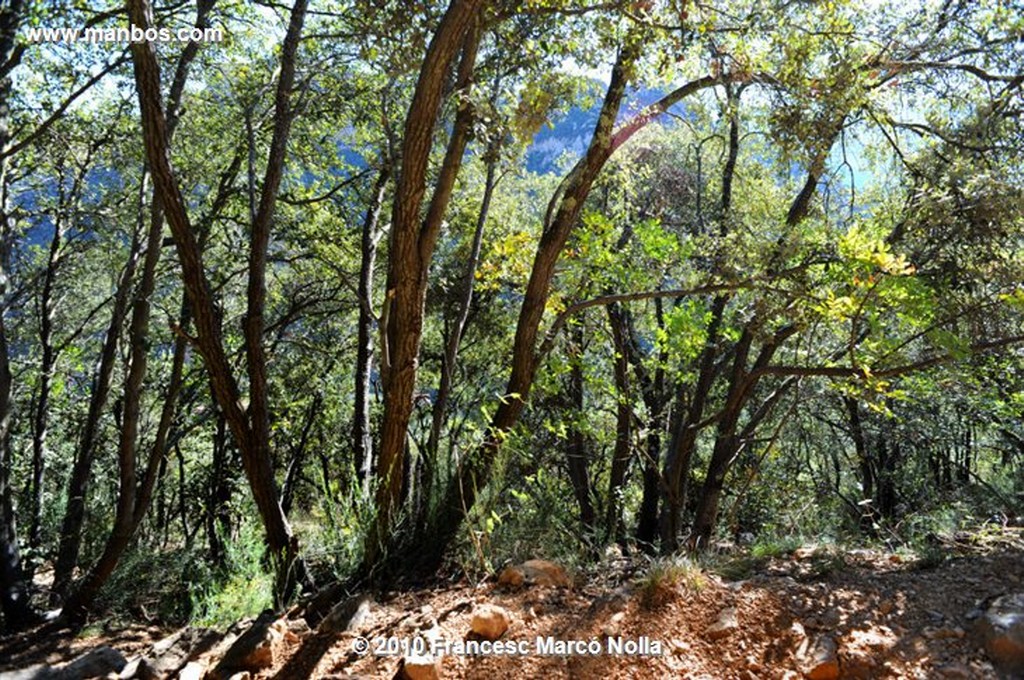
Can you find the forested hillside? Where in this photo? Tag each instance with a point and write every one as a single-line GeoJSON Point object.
{"type": "Point", "coordinates": [354, 296]}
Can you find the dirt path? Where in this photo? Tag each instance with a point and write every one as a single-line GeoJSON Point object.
{"type": "Point", "coordinates": [814, 613]}
{"type": "Point", "coordinates": [889, 616]}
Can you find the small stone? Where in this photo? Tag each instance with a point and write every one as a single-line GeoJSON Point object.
{"type": "Point", "coordinates": [254, 649]}
{"type": "Point", "coordinates": [885, 607]}
{"type": "Point", "coordinates": [727, 624]}
{"type": "Point", "coordinates": [193, 670]}
{"type": "Point", "coordinates": [819, 659]}
{"type": "Point", "coordinates": [490, 622]}
{"type": "Point", "coordinates": [1001, 629]}
{"type": "Point", "coordinates": [954, 671]}
{"type": "Point", "coordinates": [420, 667]}
{"type": "Point", "coordinates": [680, 646]}
{"type": "Point", "coordinates": [536, 573]}
{"type": "Point", "coordinates": [944, 633]}
{"type": "Point", "coordinates": [97, 662]}
{"type": "Point", "coordinates": [347, 615]}
{"type": "Point", "coordinates": [876, 639]}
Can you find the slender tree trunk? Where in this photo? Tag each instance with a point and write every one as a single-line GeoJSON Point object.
{"type": "Point", "coordinates": [683, 444]}
{"type": "Point", "coordinates": [133, 496]}
{"type": "Point", "coordinates": [14, 591]}
{"type": "Point", "coordinates": [727, 440]}
{"type": "Point", "coordinates": [576, 445]}
{"type": "Point", "coordinates": [623, 427]}
{"type": "Point", "coordinates": [684, 441]}
{"type": "Point", "coordinates": [40, 417]}
{"type": "Point", "coordinates": [362, 438]}
{"type": "Point", "coordinates": [412, 246]}
{"type": "Point", "coordinates": [299, 453]}
{"type": "Point", "coordinates": [81, 471]}
{"type": "Point", "coordinates": [563, 212]}
{"type": "Point", "coordinates": [218, 514]}
{"type": "Point", "coordinates": [449, 361]}
{"type": "Point", "coordinates": [655, 401]}
{"type": "Point", "coordinates": [250, 426]}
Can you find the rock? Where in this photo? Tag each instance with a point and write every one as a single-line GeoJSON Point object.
{"type": "Point", "coordinates": [36, 672]}
{"type": "Point", "coordinates": [534, 573]}
{"type": "Point", "coordinates": [131, 671]}
{"type": "Point", "coordinates": [490, 622]}
{"type": "Point", "coordinates": [1001, 629]}
{"type": "Point", "coordinates": [944, 633]}
{"type": "Point", "coordinates": [96, 663]}
{"type": "Point", "coordinates": [826, 620]}
{"type": "Point", "coordinates": [347, 615]}
{"type": "Point", "coordinates": [954, 671]}
{"type": "Point", "coordinates": [254, 649]}
{"type": "Point", "coordinates": [193, 670]}
{"type": "Point", "coordinates": [818, 659]}
{"type": "Point", "coordinates": [169, 655]}
{"type": "Point", "coordinates": [420, 667]}
{"type": "Point", "coordinates": [615, 601]}
{"type": "Point", "coordinates": [727, 623]}
{"type": "Point", "coordinates": [876, 639]}
{"type": "Point", "coordinates": [612, 628]}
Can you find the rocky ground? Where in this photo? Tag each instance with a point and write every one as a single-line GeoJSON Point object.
{"type": "Point", "coordinates": [816, 613]}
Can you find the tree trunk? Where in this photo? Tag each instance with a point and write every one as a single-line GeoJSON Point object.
{"type": "Point", "coordinates": [362, 438]}
{"type": "Point", "coordinates": [218, 513]}
{"type": "Point", "coordinates": [299, 453]}
{"type": "Point", "coordinates": [623, 427]}
{"type": "Point", "coordinates": [653, 391]}
{"type": "Point", "coordinates": [683, 443]}
{"type": "Point", "coordinates": [40, 417]}
{"type": "Point", "coordinates": [14, 591]}
{"type": "Point", "coordinates": [250, 426]}
{"type": "Point", "coordinates": [412, 246]}
{"type": "Point", "coordinates": [449, 361]}
{"type": "Point", "coordinates": [563, 212]}
{"type": "Point", "coordinates": [576, 450]}
{"type": "Point", "coordinates": [81, 471]}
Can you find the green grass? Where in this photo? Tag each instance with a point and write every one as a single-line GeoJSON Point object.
{"type": "Point", "coordinates": [665, 576]}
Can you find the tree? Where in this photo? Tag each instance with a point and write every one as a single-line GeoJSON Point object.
{"type": "Point", "coordinates": [251, 425]}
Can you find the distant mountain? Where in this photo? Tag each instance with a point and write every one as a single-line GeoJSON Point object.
{"type": "Point", "coordinates": [569, 134]}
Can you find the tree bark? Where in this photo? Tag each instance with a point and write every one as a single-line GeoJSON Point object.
{"type": "Point", "coordinates": [250, 427]}
{"type": "Point", "coordinates": [449, 361]}
{"type": "Point", "coordinates": [576, 446]}
{"type": "Point", "coordinates": [563, 212]}
{"type": "Point", "coordinates": [623, 426]}
{"type": "Point", "coordinates": [412, 246]}
{"type": "Point", "coordinates": [362, 438]}
{"type": "Point", "coordinates": [41, 414]}
{"type": "Point", "coordinates": [14, 591]}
